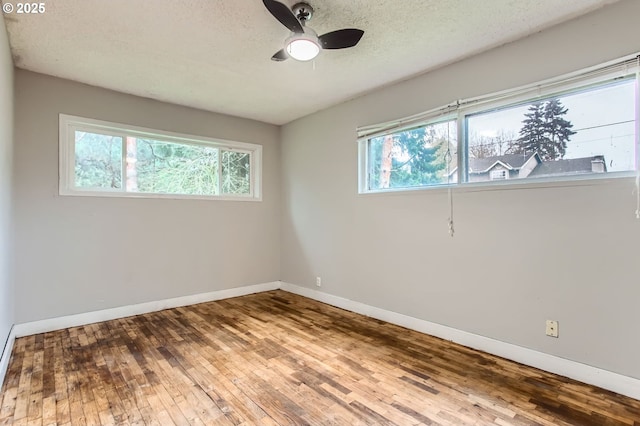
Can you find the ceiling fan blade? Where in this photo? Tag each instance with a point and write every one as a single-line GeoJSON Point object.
{"type": "Point", "coordinates": [341, 39]}
{"type": "Point", "coordinates": [280, 56]}
{"type": "Point", "coordinates": [283, 14]}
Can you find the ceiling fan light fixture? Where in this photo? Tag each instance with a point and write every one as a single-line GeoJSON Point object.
{"type": "Point", "coordinates": [303, 43]}
{"type": "Point", "coordinates": [302, 47]}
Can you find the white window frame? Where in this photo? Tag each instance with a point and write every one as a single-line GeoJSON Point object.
{"type": "Point", "coordinates": [69, 124]}
{"type": "Point", "coordinates": [599, 75]}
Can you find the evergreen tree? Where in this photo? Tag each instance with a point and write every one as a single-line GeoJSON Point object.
{"type": "Point", "coordinates": [425, 163]}
{"type": "Point", "coordinates": [532, 135]}
{"type": "Point", "coordinates": [557, 129]}
{"type": "Point", "coordinates": [545, 131]}
{"type": "Point", "coordinates": [409, 158]}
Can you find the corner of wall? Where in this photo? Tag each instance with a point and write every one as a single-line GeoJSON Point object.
{"type": "Point", "coordinates": [7, 106]}
{"type": "Point", "coordinates": [5, 355]}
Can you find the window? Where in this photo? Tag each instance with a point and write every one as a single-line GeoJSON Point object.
{"type": "Point", "coordinates": [499, 174]}
{"type": "Point", "coordinates": [578, 126]}
{"type": "Point", "coordinates": [108, 159]}
{"type": "Point", "coordinates": [415, 157]}
{"type": "Point", "coordinates": [585, 131]}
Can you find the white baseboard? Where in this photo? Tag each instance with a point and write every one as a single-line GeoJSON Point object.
{"type": "Point", "coordinates": [615, 382]}
{"type": "Point", "coordinates": [6, 355]}
{"type": "Point", "coordinates": [52, 324]}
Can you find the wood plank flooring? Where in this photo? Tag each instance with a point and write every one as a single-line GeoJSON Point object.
{"type": "Point", "coordinates": [277, 359]}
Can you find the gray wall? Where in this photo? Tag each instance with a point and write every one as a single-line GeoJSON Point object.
{"type": "Point", "coordinates": [81, 254]}
{"type": "Point", "coordinates": [519, 257]}
{"type": "Point", "coordinates": [6, 159]}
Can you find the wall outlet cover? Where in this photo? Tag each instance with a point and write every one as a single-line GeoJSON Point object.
{"type": "Point", "coordinates": [552, 328]}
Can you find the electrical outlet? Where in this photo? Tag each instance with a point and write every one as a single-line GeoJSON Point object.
{"type": "Point", "coordinates": [318, 281]}
{"type": "Point", "coordinates": [552, 328]}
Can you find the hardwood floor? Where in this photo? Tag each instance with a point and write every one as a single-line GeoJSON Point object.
{"type": "Point", "coordinates": [276, 359]}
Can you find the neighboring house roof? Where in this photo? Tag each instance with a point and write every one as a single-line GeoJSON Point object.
{"type": "Point", "coordinates": [509, 161]}
{"type": "Point", "coordinates": [515, 162]}
{"type": "Point", "coordinates": [574, 166]}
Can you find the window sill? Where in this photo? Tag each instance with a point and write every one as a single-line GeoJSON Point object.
{"type": "Point", "coordinates": [109, 194]}
{"type": "Point", "coordinates": [514, 184]}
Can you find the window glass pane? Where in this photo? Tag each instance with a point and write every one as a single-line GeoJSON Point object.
{"type": "Point", "coordinates": [236, 172]}
{"type": "Point", "coordinates": [100, 158]}
{"type": "Point", "coordinates": [586, 132]}
{"type": "Point", "coordinates": [98, 161]}
{"type": "Point", "coordinates": [416, 157]}
{"type": "Point", "coordinates": [171, 168]}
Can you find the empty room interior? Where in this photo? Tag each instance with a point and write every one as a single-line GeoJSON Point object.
{"type": "Point", "coordinates": [328, 212]}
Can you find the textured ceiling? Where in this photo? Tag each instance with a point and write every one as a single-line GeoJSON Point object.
{"type": "Point", "coordinates": [215, 54]}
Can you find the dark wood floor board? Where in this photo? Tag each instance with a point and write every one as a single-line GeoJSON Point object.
{"type": "Point", "coordinates": [24, 383]}
{"type": "Point", "coordinates": [275, 358]}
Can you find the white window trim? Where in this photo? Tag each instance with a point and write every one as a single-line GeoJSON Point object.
{"type": "Point", "coordinates": [625, 67]}
{"type": "Point", "coordinates": [68, 124]}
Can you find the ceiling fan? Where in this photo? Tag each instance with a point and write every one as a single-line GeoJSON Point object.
{"type": "Point", "coordinates": [304, 44]}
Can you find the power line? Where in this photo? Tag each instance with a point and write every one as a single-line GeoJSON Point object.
{"type": "Point", "coordinates": [513, 141]}
{"type": "Point", "coordinates": [604, 125]}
